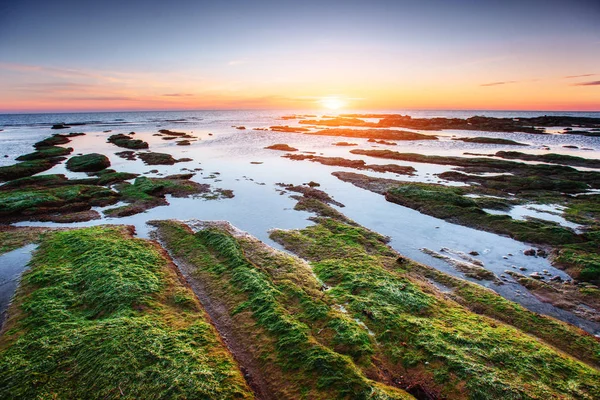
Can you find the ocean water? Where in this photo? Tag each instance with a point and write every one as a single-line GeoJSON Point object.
{"type": "Point", "coordinates": [228, 157]}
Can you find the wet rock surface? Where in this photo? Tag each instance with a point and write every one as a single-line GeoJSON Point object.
{"type": "Point", "coordinates": [92, 162]}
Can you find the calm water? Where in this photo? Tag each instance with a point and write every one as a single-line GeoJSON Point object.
{"type": "Point", "coordinates": [259, 206]}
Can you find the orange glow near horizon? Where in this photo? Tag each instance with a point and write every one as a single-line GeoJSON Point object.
{"type": "Point", "coordinates": [53, 90]}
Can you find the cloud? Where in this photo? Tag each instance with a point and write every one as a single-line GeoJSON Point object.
{"type": "Point", "coordinates": [177, 95]}
{"type": "Point", "coordinates": [498, 83]}
{"type": "Point", "coordinates": [102, 98]}
{"type": "Point", "coordinates": [590, 83]}
{"type": "Point", "coordinates": [579, 76]}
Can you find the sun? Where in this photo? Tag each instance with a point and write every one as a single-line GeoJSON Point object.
{"type": "Point", "coordinates": [332, 103]}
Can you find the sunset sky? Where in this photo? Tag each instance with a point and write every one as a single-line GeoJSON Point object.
{"type": "Point", "coordinates": [180, 54]}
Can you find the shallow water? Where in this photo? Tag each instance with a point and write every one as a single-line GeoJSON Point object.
{"type": "Point", "coordinates": [258, 206]}
{"type": "Point", "coordinates": [12, 265]}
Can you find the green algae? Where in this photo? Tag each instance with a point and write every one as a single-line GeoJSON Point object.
{"type": "Point", "coordinates": [92, 162]}
{"type": "Point", "coordinates": [99, 315]}
{"type": "Point", "coordinates": [27, 168]}
{"type": "Point", "coordinates": [29, 201]}
{"type": "Point", "coordinates": [284, 319]}
{"type": "Point", "coordinates": [449, 203]}
{"type": "Point", "coordinates": [46, 152]}
{"type": "Point", "coordinates": [432, 339]}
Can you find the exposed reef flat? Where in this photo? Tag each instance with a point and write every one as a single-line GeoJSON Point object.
{"type": "Point", "coordinates": [294, 340]}
{"type": "Point", "coordinates": [47, 155]}
{"type": "Point", "coordinates": [573, 251]}
{"type": "Point", "coordinates": [477, 123]}
{"type": "Point", "coordinates": [145, 193]}
{"type": "Point", "coordinates": [387, 134]}
{"type": "Point", "coordinates": [281, 147]}
{"type": "Point", "coordinates": [536, 179]}
{"type": "Point", "coordinates": [357, 164]}
{"type": "Point", "coordinates": [127, 142]}
{"type": "Point", "coordinates": [385, 292]}
{"type": "Point", "coordinates": [488, 140]}
{"type": "Point", "coordinates": [92, 293]}
{"type": "Point", "coordinates": [551, 158]}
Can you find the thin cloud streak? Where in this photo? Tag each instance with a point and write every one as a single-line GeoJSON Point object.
{"type": "Point", "coordinates": [178, 95]}
{"type": "Point", "coordinates": [498, 83]}
{"type": "Point", "coordinates": [579, 76]}
{"type": "Point", "coordinates": [591, 83]}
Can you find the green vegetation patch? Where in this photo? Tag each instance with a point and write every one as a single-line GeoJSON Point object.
{"type": "Point", "coordinates": [102, 315]}
{"type": "Point", "coordinates": [426, 338]}
{"type": "Point", "coordinates": [304, 345]}
{"type": "Point", "coordinates": [12, 238]}
{"type": "Point", "coordinates": [145, 193]}
{"type": "Point", "coordinates": [29, 201]}
{"type": "Point", "coordinates": [449, 203]}
{"type": "Point", "coordinates": [46, 152]}
{"type": "Point", "coordinates": [92, 162]}
{"type": "Point", "coordinates": [27, 168]}
{"type": "Point", "coordinates": [489, 140]}
{"type": "Point", "coordinates": [550, 158]}
{"type": "Point", "coordinates": [127, 142]}
{"type": "Point", "coordinates": [484, 301]}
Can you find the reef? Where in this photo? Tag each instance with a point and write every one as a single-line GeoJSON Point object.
{"type": "Point", "coordinates": [127, 142]}
{"type": "Point", "coordinates": [357, 164]}
{"type": "Point", "coordinates": [281, 147]}
{"type": "Point", "coordinates": [478, 123]}
{"type": "Point", "coordinates": [92, 162]}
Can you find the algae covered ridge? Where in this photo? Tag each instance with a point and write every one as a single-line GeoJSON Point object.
{"type": "Point", "coordinates": [179, 262]}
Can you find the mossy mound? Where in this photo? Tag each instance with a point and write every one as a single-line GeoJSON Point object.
{"type": "Point", "coordinates": [27, 168]}
{"type": "Point", "coordinates": [145, 193]}
{"type": "Point", "coordinates": [281, 147]}
{"type": "Point", "coordinates": [127, 142]}
{"type": "Point", "coordinates": [552, 158]}
{"type": "Point", "coordinates": [157, 158]}
{"type": "Point", "coordinates": [431, 341]}
{"type": "Point", "coordinates": [301, 344]}
{"type": "Point", "coordinates": [488, 140]}
{"type": "Point", "coordinates": [103, 315]}
{"type": "Point", "coordinates": [28, 202]}
{"type": "Point", "coordinates": [92, 162]}
{"type": "Point", "coordinates": [46, 152]}
{"type": "Point", "coordinates": [56, 139]}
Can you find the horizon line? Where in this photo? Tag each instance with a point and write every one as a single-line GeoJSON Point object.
{"type": "Point", "coordinates": [350, 111]}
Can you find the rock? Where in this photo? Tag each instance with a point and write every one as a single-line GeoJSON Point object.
{"type": "Point", "coordinates": [402, 260]}
{"type": "Point", "coordinates": [556, 278]}
{"type": "Point", "coordinates": [522, 268]}
{"type": "Point", "coordinates": [127, 155]}
{"type": "Point", "coordinates": [92, 162]}
{"type": "Point", "coordinates": [127, 142]}
{"type": "Point", "coordinates": [282, 147]}
{"type": "Point", "coordinates": [529, 252]}
{"type": "Point", "coordinates": [542, 253]}
{"type": "Point", "coordinates": [536, 275]}
{"type": "Point", "coordinates": [60, 126]}
{"type": "Point", "coordinates": [345, 144]}
{"type": "Point", "coordinates": [157, 158]}
{"type": "Point", "coordinates": [313, 184]}
{"type": "Point", "coordinates": [474, 253]}
{"type": "Point", "coordinates": [183, 143]}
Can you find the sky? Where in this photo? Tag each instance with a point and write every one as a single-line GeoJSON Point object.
{"type": "Point", "coordinates": [368, 55]}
